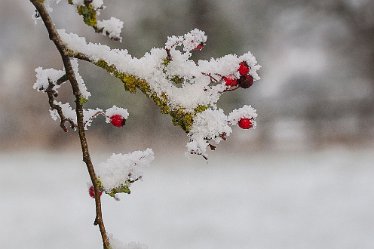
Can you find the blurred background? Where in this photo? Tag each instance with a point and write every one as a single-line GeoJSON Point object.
{"type": "Point", "coordinates": [301, 179]}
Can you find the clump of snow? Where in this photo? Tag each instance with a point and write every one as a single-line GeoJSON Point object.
{"type": "Point", "coordinates": [116, 111]}
{"type": "Point", "coordinates": [210, 125]}
{"type": "Point", "coordinates": [246, 111]}
{"type": "Point", "coordinates": [43, 76]}
{"type": "Point", "coordinates": [189, 41]}
{"type": "Point", "coordinates": [82, 86]}
{"type": "Point", "coordinates": [68, 112]}
{"type": "Point", "coordinates": [120, 168]}
{"type": "Point", "coordinates": [112, 28]}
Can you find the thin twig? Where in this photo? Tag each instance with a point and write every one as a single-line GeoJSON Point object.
{"type": "Point", "coordinates": [54, 36]}
{"type": "Point", "coordinates": [51, 100]}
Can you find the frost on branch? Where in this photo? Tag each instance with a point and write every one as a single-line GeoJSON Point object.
{"type": "Point", "coordinates": [210, 125]}
{"type": "Point", "coordinates": [90, 10]}
{"type": "Point", "coordinates": [214, 126]}
{"type": "Point", "coordinates": [112, 28]}
{"type": "Point", "coordinates": [194, 40]}
{"type": "Point", "coordinates": [81, 84]}
{"type": "Point", "coordinates": [120, 170]}
{"type": "Point", "coordinates": [46, 76]}
{"type": "Point", "coordinates": [50, 80]}
{"type": "Point", "coordinates": [181, 87]}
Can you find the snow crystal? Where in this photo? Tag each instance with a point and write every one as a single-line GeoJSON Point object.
{"type": "Point", "coordinates": [116, 110]}
{"type": "Point", "coordinates": [122, 167]}
{"type": "Point", "coordinates": [43, 75]}
{"type": "Point", "coordinates": [208, 126]}
{"type": "Point", "coordinates": [111, 27]}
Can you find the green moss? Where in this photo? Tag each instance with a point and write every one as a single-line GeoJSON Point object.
{"type": "Point", "coordinates": [201, 108]}
{"type": "Point", "coordinates": [180, 116]}
{"type": "Point", "coordinates": [177, 80]}
{"type": "Point", "coordinates": [124, 188]}
{"type": "Point", "coordinates": [83, 100]}
{"type": "Point", "coordinates": [89, 14]}
{"type": "Point", "coordinates": [166, 61]}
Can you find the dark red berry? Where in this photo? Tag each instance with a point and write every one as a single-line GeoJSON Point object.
{"type": "Point", "coordinates": [117, 120]}
{"type": "Point", "coordinates": [230, 81]}
{"type": "Point", "coordinates": [200, 47]}
{"type": "Point", "coordinates": [91, 191]}
{"type": "Point", "coordinates": [246, 81]}
{"type": "Point", "coordinates": [245, 123]}
{"type": "Point", "coordinates": [243, 68]}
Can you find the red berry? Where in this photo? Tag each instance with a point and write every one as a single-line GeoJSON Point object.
{"type": "Point", "coordinates": [243, 68]}
{"type": "Point", "coordinates": [117, 120]}
{"type": "Point", "coordinates": [200, 47]}
{"type": "Point", "coordinates": [246, 81]}
{"type": "Point", "coordinates": [230, 81]}
{"type": "Point", "coordinates": [91, 191]}
{"type": "Point", "coordinates": [245, 123]}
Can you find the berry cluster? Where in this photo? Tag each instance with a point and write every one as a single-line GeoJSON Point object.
{"type": "Point", "coordinates": [245, 80]}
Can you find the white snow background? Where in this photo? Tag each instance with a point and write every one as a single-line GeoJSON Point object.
{"type": "Point", "coordinates": [319, 200]}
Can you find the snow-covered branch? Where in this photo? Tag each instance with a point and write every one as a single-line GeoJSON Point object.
{"type": "Point", "coordinates": [186, 90]}
{"type": "Point", "coordinates": [181, 87]}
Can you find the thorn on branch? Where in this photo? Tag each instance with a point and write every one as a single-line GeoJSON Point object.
{"type": "Point", "coordinates": [36, 14]}
{"type": "Point", "coordinates": [212, 147]}
{"type": "Point", "coordinates": [96, 222]}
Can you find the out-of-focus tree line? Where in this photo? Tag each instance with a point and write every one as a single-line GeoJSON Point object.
{"type": "Point", "coordinates": [317, 58]}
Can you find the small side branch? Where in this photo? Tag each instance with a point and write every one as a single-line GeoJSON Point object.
{"type": "Point", "coordinates": [51, 100]}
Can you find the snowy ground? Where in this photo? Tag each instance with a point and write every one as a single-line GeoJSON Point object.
{"type": "Point", "coordinates": [320, 200]}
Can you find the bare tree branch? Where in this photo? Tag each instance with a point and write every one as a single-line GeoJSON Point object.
{"type": "Point", "coordinates": [53, 35]}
